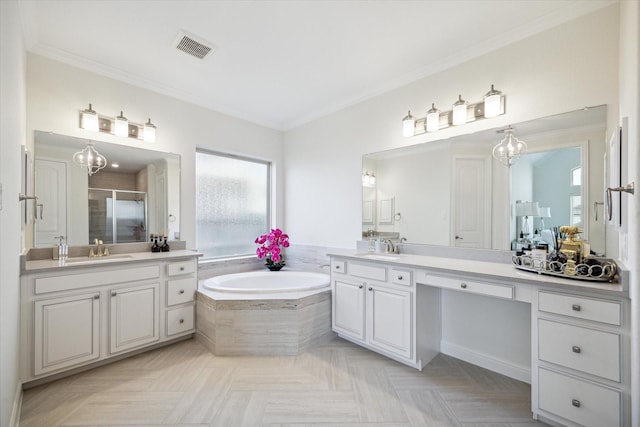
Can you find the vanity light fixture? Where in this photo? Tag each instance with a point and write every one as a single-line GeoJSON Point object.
{"type": "Point", "coordinates": [459, 112]}
{"type": "Point", "coordinates": [90, 160]}
{"type": "Point", "coordinates": [122, 125]}
{"type": "Point", "coordinates": [492, 101]}
{"type": "Point", "coordinates": [492, 105]}
{"type": "Point", "coordinates": [118, 126]}
{"type": "Point", "coordinates": [433, 119]}
{"type": "Point", "coordinates": [509, 148]}
{"type": "Point", "coordinates": [89, 120]}
{"type": "Point", "coordinates": [149, 132]}
{"type": "Point", "coordinates": [408, 125]}
{"type": "Point", "coordinates": [368, 179]}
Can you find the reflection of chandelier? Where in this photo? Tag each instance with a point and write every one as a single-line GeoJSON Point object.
{"type": "Point", "coordinates": [90, 159]}
{"type": "Point", "coordinates": [509, 149]}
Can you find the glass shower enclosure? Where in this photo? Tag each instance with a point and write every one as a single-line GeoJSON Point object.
{"type": "Point", "coordinates": [117, 216]}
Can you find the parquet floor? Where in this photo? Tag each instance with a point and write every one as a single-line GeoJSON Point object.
{"type": "Point", "coordinates": [330, 385]}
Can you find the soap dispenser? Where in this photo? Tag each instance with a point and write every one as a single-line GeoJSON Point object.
{"type": "Point", "coordinates": [60, 251]}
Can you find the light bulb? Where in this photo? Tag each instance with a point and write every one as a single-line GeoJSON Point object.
{"type": "Point", "coordinates": [408, 125]}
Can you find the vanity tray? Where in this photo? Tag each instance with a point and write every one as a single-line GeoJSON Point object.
{"type": "Point", "coordinates": [604, 271]}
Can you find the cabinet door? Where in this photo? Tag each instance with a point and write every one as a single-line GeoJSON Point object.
{"type": "Point", "coordinates": [134, 319]}
{"type": "Point", "coordinates": [66, 332]}
{"type": "Point", "coordinates": [348, 308]}
{"type": "Point", "coordinates": [389, 320]}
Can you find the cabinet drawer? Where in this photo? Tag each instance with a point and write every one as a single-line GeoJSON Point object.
{"type": "Point", "coordinates": [580, 307]}
{"type": "Point", "coordinates": [178, 268]}
{"type": "Point", "coordinates": [95, 278]}
{"type": "Point", "coordinates": [580, 401]}
{"type": "Point", "coordinates": [338, 267]}
{"type": "Point", "coordinates": [368, 271]}
{"type": "Point", "coordinates": [179, 320]}
{"type": "Point", "coordinates": [584, 349]}
{"type": "Point", "coordinates": [180, 291]}
{"type": "Point", "coordinates": [488, 289]}
{"type": "Point", "coordinates": [401, 277]}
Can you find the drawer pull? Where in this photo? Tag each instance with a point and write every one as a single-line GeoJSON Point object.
{"type": "Point", "coordinates": [96, 296]}
{"type": "Point", "coordinates": [181, 291]}
{"type": "Point", "coordinates": [576, 349]}
{"type": "Point", "coordinates": [113, 294]}
{"type": "Point", "coordinates": [181, 320]}
{"type": "Point", "coordinates": [575, 307]}
{"type": "Point", "coordinates": [463, 285]}
{"type": "Point", "coordinates": [181, 268]}
{"type": "Point", "coordinates": [575, 402]}
{"type": "Point", "coordinates": [337, 267]}
{"type": "Point", "coordinates": [399, 277]}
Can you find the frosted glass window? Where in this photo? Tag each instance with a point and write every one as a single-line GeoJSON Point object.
{"type": "Point", "coordinates": [232, 204]}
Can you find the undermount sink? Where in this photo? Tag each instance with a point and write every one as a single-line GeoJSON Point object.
{"type": "Point", "coordinates": [92, 260]}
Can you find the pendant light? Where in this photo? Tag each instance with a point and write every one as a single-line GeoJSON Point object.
{"type": "Point", "coordinates": [509, 148]}
{"type": "Point", "coordinates": [90, 159]}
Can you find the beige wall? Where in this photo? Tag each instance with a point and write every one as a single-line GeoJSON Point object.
{"type": "Point", "coordinates": [57, 92]}
{"type": "Point", "coordinates": [12, 136]}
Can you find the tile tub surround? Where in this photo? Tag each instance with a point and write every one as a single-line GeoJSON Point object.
{"type": "Point", "coordinates": [267, 327]}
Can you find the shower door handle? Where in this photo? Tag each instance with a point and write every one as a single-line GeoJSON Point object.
{"type": "Point", "coordinates": [629, 188]}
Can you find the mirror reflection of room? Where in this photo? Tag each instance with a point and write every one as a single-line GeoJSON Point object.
{"type": "Point", "coordinates": [452, 192]}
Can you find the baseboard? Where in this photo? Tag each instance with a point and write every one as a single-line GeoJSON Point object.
{"type": "Point", "coordinates": [17, 407]}
{"type": "Point", "coordinates": [492, 363]}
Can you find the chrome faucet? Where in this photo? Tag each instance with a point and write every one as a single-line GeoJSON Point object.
{"type": "Point", "coordinates": [390, 249]}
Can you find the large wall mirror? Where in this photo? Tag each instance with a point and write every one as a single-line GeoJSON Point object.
{"type": "Point", "coordinates": [137, 194]}
{"type": "Point", "coordinates": [452, 192]}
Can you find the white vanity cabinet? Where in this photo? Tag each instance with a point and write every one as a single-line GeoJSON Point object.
{"type": "Point", "coordinates": [374, 305]}
{"type": "Point", "coordinates": [580, 372]}
{"type": "Point", "coordinates": [66, 331]}
{"type": "Point", "coordinates": [85, 314]}
{"type": "Point", "coordinates": [134, 317]}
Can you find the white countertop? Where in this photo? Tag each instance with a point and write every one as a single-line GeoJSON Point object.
{"type": "Point", "coordinates": [480, 269]}
{"type": "Point", "coordinates": [38, 266]}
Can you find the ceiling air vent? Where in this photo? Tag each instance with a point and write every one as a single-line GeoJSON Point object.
{"type": "Point", "coordinates": [193, 45]}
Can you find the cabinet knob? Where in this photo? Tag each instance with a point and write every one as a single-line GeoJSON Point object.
{"type": "Point", "coordinates": [370, 289]}
{"type": "Point", "coordinates": [181, 268]}
{"type": "Point", "coordinates": [337, 267]}
{"type": "Point", "coordinates": [463, 285]}
{"type": "Point", "coordinates": [96, 296]}
{"type": "Point", "coordinates": [113, 293]}
{"type": "Point", "coordinates": [360, 287]}
{"type": "Point", "coordinates": [399, 277]}
{"type": "Point", "coordinates": [575, 307]}
{"type": "Point", "coordinates": [575, 402]}
{"type": "Point", "coordinates": [181, 291]}
{"type": "Point", "coordinates": [576, 349]}
{"type": "Point", "coordinates": [181, 320]}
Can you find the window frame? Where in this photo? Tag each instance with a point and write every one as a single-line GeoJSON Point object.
{"type": "Point", "coordinates": [270, 192]}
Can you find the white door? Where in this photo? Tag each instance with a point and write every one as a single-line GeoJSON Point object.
{"type": "Point", "coordinates": [389, 320]}
{"type": "Point", "coordinates": [66, 332]}
{"type": "Point", "coordinates": [348, 309]}
{"type": "Point", "coordinates": [471, 202]}
{"type": "Point", "coordinates": [51, 206]}
{"type": "Point", "coordinates": [134, 317]}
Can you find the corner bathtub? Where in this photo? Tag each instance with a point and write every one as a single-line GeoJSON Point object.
{"type": "Point", "coordinates": [263, 313]}
{"type": "Point", "coordinates": [268, 282]}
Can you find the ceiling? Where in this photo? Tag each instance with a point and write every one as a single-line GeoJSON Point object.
{"type": "Point", "coordinates": [282, 63]}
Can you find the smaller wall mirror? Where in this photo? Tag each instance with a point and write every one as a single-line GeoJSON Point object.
{"type": "Point", "coordinates": [134, 196]}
